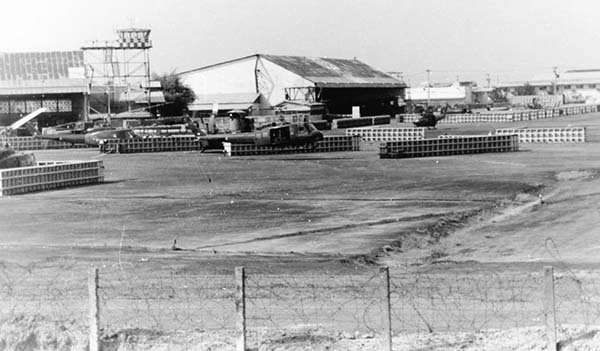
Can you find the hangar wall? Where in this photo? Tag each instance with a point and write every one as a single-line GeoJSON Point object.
{"type": "Point", "coordinates": [247, 75]}
{"type": "Point", "coordinates": [272, 80]}
{"type": "Point", "coordinates": [61, 108]}
{"type": "Point", "coordinates": [54, 80]}
{"type": "Point", "coordinates": [372, 101]}
{"type": "Point", "coordinates": [229, 77]}
{"type": "Point", "coordinates": [338, 83]}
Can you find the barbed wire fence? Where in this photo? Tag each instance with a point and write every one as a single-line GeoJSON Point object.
{"type": "Point", "coordinates": [39, 299]}
{"type": "Point", "coordinates": [164, 306]}
{"type": "Point", "coordinates": [465, 301]}
{"type": "Point", "coordinates": [577, 303]}
{"type": "Point", "coordinates": [306, 306]}
{"type": "Point", "coordinates": [40, 287]}
{"type": "Point", "coordinates": [313, 306]}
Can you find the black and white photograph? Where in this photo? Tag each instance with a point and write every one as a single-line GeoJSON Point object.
{"type": "Point", "coordinates": [315, 175]}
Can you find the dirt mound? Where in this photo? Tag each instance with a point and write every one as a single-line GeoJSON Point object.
{"type": "Point", "coordinates": [575, 175]}
{"type": "Point", "coordinates": [573, 338]}
{"type": "Point", "coordinates": [41, 333]}
{"type": "Point", "coordinates": [30, 333]}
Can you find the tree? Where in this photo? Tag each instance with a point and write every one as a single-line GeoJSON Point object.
{"type": "Point", "coordinates": [177, 95]}
{"type": "Point", "coordinates": [526, 89]}
{"type": "Point", "coordinates": [498, 95]}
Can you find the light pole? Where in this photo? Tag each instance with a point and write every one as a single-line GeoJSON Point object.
{"type": "Point", "coordinates": [428, 87]}
{"type": "Point", "coordinates": [555, 82]}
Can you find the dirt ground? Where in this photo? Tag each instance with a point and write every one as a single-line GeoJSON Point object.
{"type": "Point", "coordinates": [305, 214]}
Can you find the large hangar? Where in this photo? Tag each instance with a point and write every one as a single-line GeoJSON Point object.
{"type": "Point", "coordinates": [54, 80]}
{"type": "Point", "coordinates": [339, 83]}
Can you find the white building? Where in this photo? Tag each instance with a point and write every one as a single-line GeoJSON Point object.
{"type": "Point", "coordinates": [575, 85]}
{"type": "Point", "coordinates": [339, 83]}
{"type": "Point", "coordinates": [440, 94]}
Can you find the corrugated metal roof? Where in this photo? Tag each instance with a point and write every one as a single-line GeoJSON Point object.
{"type": "Point", "coordinates": [325, 72]}
{"type": "Point", "coordinates": [328, 72]}
{"type": "Point", "coordinates": [51, 86]}
{"type": "Point", "coordinates": [38, 65]}
{"type": "Point", "coordinates": [53, 72]}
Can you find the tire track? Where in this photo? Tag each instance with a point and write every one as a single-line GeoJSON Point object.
{"type": "Point", "coordinates": [328, 229]}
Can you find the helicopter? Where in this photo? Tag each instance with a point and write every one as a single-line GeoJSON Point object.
{"type": "Point", "coordinates": [93, 137]}
{"type": "Point", "coordinates": [275, 134]}
{"type": "Point", "coordinates": [9, 157]}
{"type": "Point", "coordinates": [291, 134]}
{"type": "Point", "coordinates": [429, 119]}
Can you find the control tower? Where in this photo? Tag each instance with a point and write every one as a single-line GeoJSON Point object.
{"type": "Point", "coordinates": [118, 71]}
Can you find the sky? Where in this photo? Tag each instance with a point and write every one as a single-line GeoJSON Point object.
{"type": "Point", "coordinates": [466, 39]}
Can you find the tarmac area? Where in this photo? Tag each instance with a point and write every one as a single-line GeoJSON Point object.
{"type": "Point", "coordinates": [348, 203]}
{"type": "Point", "coordinates": [340, 213]}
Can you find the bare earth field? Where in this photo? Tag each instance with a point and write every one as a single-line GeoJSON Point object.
{"type": "Point", "coordinates": [311, 228]}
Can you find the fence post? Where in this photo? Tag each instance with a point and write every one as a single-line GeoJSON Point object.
{"type": "Point", "coordinates": [549, 308]}
{"type": "Point", "coordinates": [94, 310]}
{"type": "Point", "coordinates": [387, 331]}
{"type": "Point", "coordinates": [240, 308]}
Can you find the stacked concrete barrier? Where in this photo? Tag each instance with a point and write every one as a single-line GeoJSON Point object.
{"type": "Point", "coordinates": [152, 144]}
{"type": "Point", "coordinates": [329, 144]}
{"type": "Point", "coordinates": [496, 117]}
{"type": "Point", "coordinates": [546, 100]}
{"type": "Point", "coordinates": [387, 134]}
{"type": "Point", "coordinates": [478, 118]}
{"type": "Point", "coordinates": [552, 112]}
{"type": "Point", "coordinates": [503, 117]}
{"type": "Point", "coordinates": [546, 135]}
{"type": "Point", "coordinates": [31, 143]}
{"type": "Point", "coordinates": [509, 116]}
{"type": "Point", "coordinates": [50, 175]}
{"type": "Point", "coordinates": [407, 117]}
{"type": "Point", "coordinates": [568, 110]}
{"type": "Point", "coordinates": [454, 136]}
{"type": "Point", "coordinates": [449, 146]}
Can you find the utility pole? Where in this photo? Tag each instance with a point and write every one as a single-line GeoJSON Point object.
{"type": "Point", "coordinates": [108, 100]}
{"type": "Point", "coordinates": [555, 82]}
{"type": "Point", "coordinates": [489, 80]}
{"type": "Point", "coordinates": [428, 87]}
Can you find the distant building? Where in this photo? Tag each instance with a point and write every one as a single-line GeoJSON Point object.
{"type": "Point", "coordinates": [577, 85]}
{"type": "Point", "coordinates": [54, 80]}
{"type": "Point", "coordinates": [338, 83]}
{"type": "Point", "coordinates": [460, 93]}
{"type": "Point", "coordinates": [481, 96]}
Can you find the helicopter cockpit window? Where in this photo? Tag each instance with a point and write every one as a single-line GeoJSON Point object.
{"type": "Point", "coordinates": [280, 135]}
